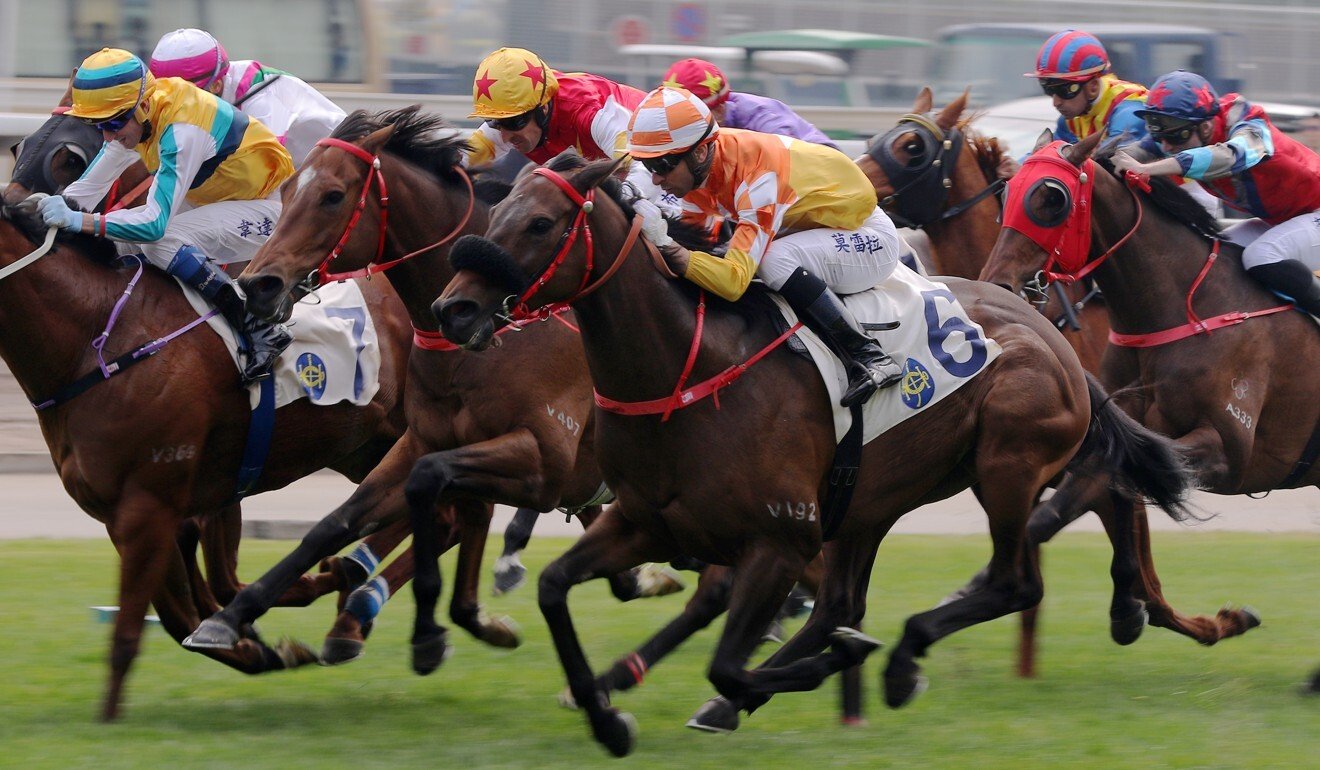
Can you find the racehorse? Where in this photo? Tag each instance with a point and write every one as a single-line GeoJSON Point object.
{"type": "Point", "coordinates": [737, 481]}
{"type": "Point", "coordinates": [932, 170]}
{"type": "Point", "coordinates": [162, 441]}
{"type": "Point", "coordinates": [1228, 387]}
{"type": "Point", "coordinates": [518, 419]}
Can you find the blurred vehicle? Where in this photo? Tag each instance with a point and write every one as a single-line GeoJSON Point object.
{"type": "Point", "coordinates": [992, 58]}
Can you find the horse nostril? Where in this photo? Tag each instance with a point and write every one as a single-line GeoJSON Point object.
{"type": "Point", "coordinates": [262, 289]}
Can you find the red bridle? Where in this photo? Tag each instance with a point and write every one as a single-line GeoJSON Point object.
{"type": "Point", "coordinates": [323, 274]}
{"type": "Point", "coordinates": [518, 309]}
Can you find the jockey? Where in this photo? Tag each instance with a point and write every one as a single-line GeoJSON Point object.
{"type": "Point", "coordinates": [541, 112]}
{"type": "Point", "coordinates": [1073, 70]}
{"type": "Point", "coordinates": [296, 113]}
{"type": "Point", "coordinates": [802, 211]}
{"type": "Point", "coordinates": [734, 109]}
{"type": "Point", "coordinates": [215, 188]}
{"type": "Point", "coordinates": [1224, 144]}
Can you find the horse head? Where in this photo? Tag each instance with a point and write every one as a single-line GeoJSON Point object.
{"type": "Point", "coordinates": [539, 250]}
{"type": "Point", "coordinates": [52, 157]}
{"type": "Point", "coordinates": [1047, 216]}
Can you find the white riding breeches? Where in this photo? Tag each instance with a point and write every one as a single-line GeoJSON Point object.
{"type": "Point", "coordinates": [848, 261]}
{"type": "Point", "coordinates": [1298, 238]}
{"type": "Point", "coordinates": [226, 231]}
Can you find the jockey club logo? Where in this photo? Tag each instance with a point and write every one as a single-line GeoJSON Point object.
{"type": "Point", "coordinates": [917, 386]}
{"type": "Point", "coordinates": [1240, 388]}
{"type": "Point", "coordinates": [311, 374]}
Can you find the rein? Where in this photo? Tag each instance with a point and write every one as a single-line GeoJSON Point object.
{"type": "Point", "coordinates": [322, 272]}
{"type": "Point", "coordinates": [680, 397]}
{"type": "Point", "coordinates": [930, 183]}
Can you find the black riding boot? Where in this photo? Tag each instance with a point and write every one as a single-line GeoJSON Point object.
{"type": "Point", "coordinates": [1293, 279]}
{"type": "Point", "coordinates": [869, 367]}
{"type": "Point", "coordinates": [265, 340]}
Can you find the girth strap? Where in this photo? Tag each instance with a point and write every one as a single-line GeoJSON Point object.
{"type": "Point", "coordinates": [843, 477]}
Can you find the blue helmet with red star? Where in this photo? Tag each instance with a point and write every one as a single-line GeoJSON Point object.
{"type": "Point", "coordinates": [1181, 95]}
{"type": "Point", "coordinates": [1071, 55]}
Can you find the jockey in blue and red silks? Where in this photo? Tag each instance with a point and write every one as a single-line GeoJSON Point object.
{"type": "Point", "coordinates": [1232, 148]}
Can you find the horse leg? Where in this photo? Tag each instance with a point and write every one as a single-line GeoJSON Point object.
{"type": "Point", "coordinates": [349, 572]}
{"type": "Point", "coordinates": [474, 525]}
{"type": "Point", "coordinates": [187, 539]}
{"type": "Point", "coordinates": [509, 570]}
{"type": "Point", "coordinates": [377, 500]}
{"type": "Point", "coordinates": [221, 533]}
{"type": "Point", "coordinates": [611, 545]}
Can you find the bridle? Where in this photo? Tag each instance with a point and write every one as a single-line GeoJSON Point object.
{"type": "Point", "coordinates": [322, 275]}
{"type": "Point", "coordinates": [515, 307]}
{"type": "Point", "coordinates": [926, 182]}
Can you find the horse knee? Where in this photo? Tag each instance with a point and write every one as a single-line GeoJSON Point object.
{"type": "Point", "coordinates": [729, 680]}
{"type": "Point", "coordinates": [552, 586]}
{"type": "Point", "coordinates": [425, 481]}
{"type": "Point", "coordinates": [1044, 524]}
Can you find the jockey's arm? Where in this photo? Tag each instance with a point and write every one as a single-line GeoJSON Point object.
{"type": "Point", "coordinates": [183, 149]}
{"type": "Point", "coordinates": [112, 161]}
{"type": "Point", "coordinates": [486, 146]}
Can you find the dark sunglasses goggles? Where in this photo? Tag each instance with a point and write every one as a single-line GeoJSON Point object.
{"type": "Point", "coordinates": [1064, 89]}
{"type": "Point", "coordinates": [1171, 131]}
{"type": "Point", "coordinates": [515, 123]}
{"type": "Point", "coordinates": [112, 124]}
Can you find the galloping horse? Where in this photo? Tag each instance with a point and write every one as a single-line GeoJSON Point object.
{"type": "Point", "coordinates": [518, 420]}
{"type": "Point", "coordinates": [1235, 398]}
{"type": "Point", "coordinates": [162, 441]}
{"type": "Point", "coordinates": [737, 480]}
{"type": "Point", "coordinates": [934, 171]}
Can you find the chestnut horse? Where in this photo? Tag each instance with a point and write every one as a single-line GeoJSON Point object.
{"type": "Point", "coordinates": [518, 420]}
{"type": "Point", "coordinates": [934, 171]}
{"type": "Point", "coordinates": [701, 483]}
{"type": "Point", "coordinates": [162, 441]}
{"type": "Point", "coordinates": [1238, 400]}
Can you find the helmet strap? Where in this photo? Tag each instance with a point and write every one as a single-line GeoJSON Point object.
{"type": "Point", "coordinates": [542, 118]}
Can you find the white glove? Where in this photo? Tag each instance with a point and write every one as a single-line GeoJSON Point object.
{"type": "Point", "coordinates": [653, 222]}
{"type": "Point", "coordinates": [55, 212]}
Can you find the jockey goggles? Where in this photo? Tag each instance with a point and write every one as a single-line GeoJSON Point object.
{"type": "Point", "coordinates": [1163, 129]}
{"type": "Point", "coordinates": [664, 165]}
{"type": "Point", "coordinates": [515, 123]}
{"type": "Point", "coordinates": [1064, 89]}
{"type": "Point", "coordinates": [113, 124]}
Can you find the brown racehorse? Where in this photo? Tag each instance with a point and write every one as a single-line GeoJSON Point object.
{"type": "Point", "coordinates": [714, 482]}
{"type": "Point", "coordinates": [162, 441]}
{"type": "Point", "coordinates": [934, 171]}
{"type": "Point", "coordinates": [518, 418]}
{"type": "Point", "coordinates": [1236, 399]}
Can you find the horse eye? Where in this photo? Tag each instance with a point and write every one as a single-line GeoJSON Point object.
{"type": "Point", "coordinates": [333, 198]}
{"type": "Point", "coordinates": [540, 226]}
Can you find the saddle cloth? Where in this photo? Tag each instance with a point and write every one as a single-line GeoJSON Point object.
{"type": "Point", "coordinates": [939, 346]}
{"type": "Point", "coordinates": [335, 354]}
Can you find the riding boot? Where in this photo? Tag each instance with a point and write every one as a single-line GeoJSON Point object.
{"type": "Point", "coordinates": [869, 367]}
{"type": "Point", "coordinates": [264, 340]}
{"type": "Point", "coordinates": [1292, 279]}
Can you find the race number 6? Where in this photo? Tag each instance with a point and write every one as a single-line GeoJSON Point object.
{"type": "Point", "coordinates": [938, 332]}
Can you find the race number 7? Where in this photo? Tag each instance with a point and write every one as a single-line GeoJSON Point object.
{"type": "Point", "coordinates": [938, 332]}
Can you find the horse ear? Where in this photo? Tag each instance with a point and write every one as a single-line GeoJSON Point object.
{"type": "Point", "coordinates": [67, 99]}
{"type": "Point", "coordinates": [1045, 138]}
{"type": "Point", "coordinates": [1077, 154]}
{"type": "Point", "coordinates": [595, 173]}
{"type": "Point", "coordinates": [948, 117]}
{"type": "Point", "coordinates": [375, 141]}
{"type": "Point", "coordinates": [925, 99]}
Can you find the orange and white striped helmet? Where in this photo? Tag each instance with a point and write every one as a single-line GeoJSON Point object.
{"type": "Point", "coordinates": [669, 120]}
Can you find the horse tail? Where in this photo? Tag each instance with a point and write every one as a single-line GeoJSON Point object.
{"type": "Point", "coordinates": [1142, 461]}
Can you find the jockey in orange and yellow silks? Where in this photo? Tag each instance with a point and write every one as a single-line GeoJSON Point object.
{"type": "Point", "coordinates": [802, 212]}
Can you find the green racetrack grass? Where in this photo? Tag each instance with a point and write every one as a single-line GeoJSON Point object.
{"type": "Point", "coordinates": [1163, 702]}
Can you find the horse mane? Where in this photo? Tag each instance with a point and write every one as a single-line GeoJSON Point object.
{"type": "Point", "coordinates": [1170, 196]}
{"type": "Point", "coordinates": [423, 139]}
{"type": "Point", "coordinates": [986, 149]}
{"type": "Point", "coordinates": [94, 247]}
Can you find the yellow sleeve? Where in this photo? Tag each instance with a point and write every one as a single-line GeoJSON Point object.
{"type": "Point", "coordinates": [728, 277]}
{"type": "Point", "coordinates": [483, 150]}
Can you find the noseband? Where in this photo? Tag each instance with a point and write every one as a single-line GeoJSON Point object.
{"type": "Point", "coordinates": [921, 188]}
{"type": "Point", "coordinates": [322, 275]}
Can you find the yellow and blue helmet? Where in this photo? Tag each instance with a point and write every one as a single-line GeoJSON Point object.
{"type": "Point", "coordinates": [110, 82]}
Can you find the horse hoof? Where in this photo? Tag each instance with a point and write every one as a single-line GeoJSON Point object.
{"type": "Point", "coordinates": [853, 644]}
{"type": "Point", "coordinates": [1313, 686]}
{"type": "Point", "coordinates": [428, 655]}
{"type": "Point", "coordinates": [1125, 631]}
{"type": "Point", "coordinates": [716, 715]}
{"type": "Point", "coordinates": [1253, 618]}
{"type": "Point", "coordinates": [336, 651]}
{"type": "Point", "coordinates": [852, 721]}
{"type": "Point", "coordinates": [293, 653]}
{"type": "Point", "coordinates": [566, 699]}
{"type": "Point", "coordinates": [774, 634]}
{"type": "Point", "coordinates": [657, 580]}
{"type": "Point", "coordinates": [902, 690]}
{"type": "Point", "coordinates": [509, 575]}
{"type": "Point", "coordinates": [501, 632]}
{"type": "Point", "coordinates": [617, 732]}
{"type": "Point", "coordinates": [212, 634]}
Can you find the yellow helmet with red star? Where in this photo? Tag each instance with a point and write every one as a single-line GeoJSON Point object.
{"type": "Point", "coordinates": [510, 82]}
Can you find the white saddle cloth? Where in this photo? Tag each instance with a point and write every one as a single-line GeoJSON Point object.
{"type": "Point", "coordinates": [335, 355]}
{"type": "Point", "coordinates": [939, 346]}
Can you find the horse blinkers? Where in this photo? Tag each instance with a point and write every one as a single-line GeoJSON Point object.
{"type": "Point", "coordinates": [920, 182]}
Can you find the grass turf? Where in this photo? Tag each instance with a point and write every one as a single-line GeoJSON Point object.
{"type": "Point", "coordinates": [1164, 702]}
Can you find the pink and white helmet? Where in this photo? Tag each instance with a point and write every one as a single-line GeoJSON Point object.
{"type": "Point", "coordinates": [191, 54]}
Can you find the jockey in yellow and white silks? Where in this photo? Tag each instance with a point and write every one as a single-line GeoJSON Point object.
{"type": "Point", "coordinates": [213, 197]}
{"type": "Point", "coordinates": [296, 113]}
{"type": "Point", "coordinates": [803, 213]}
{"type": "Point", "coordinates": [529, 108]}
